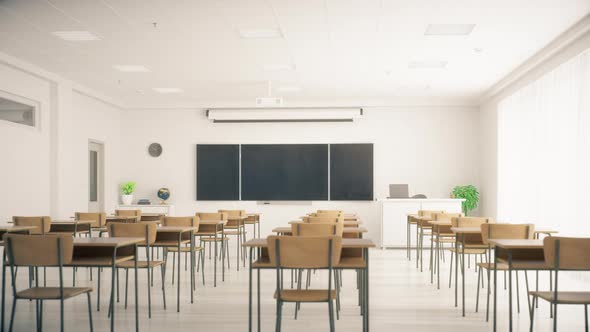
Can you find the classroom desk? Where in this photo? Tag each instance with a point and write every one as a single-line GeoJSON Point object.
{"type": "Point", "coordinates": [544, 231]}
{"type": "Point", "coordinates": [356, 231]}
{"type": "Point", "coordinates": [519, 255]}
{"type": "Point", "coordinates": [121, 218]}
{"type": "Point", "coordinates": [213, 228]}
{"type": "Point", "coordinates": [176, 236]}
{"type": "Point", "coordinates": [460, 232]}
{"type": "Point", "coordinates": [107, 252]}
{"type": "Point", "coordinates": [363, 244]}
{"type": "Point", "coordinates": [153, 217]}
{"type": "Point", "coordinates": [71, 226]}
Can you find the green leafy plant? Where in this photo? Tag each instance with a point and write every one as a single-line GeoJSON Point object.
{"type": "Point", "coordinates": [128, 188]}
{"type": "Point", "coordinates": [470, 194]}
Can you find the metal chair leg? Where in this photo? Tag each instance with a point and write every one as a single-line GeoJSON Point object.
{"type": "Point", "coordinates": [90, 312]}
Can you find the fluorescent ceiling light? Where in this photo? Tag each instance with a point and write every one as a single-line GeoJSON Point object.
{"type": "Point", "coordinates": [76, 35]}
{"type": "Point", "coordinates": [168, 90]}
{"type": "Point", "coordinates": [131, 68]}
{"type": "Point", "coordinates": [449, 29]}
{"type": "Point", "coordinates": [260, 33]}
{"type": "Point", "coordinates": [429, 64]}
{"type": "Point", "coordinates": [230, 115]}
{"type": "Point", "coordinates": [278, 67]}
{"type": "Point", "coordinates": [289, 89]}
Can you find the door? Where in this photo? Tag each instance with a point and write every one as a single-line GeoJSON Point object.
{"type": "Point", "coordinates": [95, 176]}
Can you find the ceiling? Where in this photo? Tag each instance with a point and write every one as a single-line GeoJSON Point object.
{"type": "Point", "coordinates": [340, 50]}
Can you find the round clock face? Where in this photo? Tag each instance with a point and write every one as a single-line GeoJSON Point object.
{"type": "Point", "coordinates": [155, 149]}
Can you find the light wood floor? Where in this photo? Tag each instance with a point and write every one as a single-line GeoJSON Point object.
{"type": "Point", "coordinates": [402, 299]}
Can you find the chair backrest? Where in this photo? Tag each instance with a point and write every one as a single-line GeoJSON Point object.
{"type": "Point", "coordinates": [567, 253]}
{"type": "Point", "coordinates": [323, 220]}
{"type": "Point", "coordinates": [470, 221]}
{"type": "Point", "coordinates": [233, 213]}
{"type": "Point", "coordinates": [39, 250]}
{"type": "Point", "coordinates": [323, 229]}
{"type": "Point", "coordinates": [428, 213]}
{"type": "Point", "coordinates": [296, 252]}
{"type": "Point", "coordinates": [181, 222]}
{"type": "Point", "coordinates": [443, 216]}
{"type": "Point", "coordinates": [129, 213]}
{"type": "Point", "coordinates": [100, 218]}
{"type": "Point", "coordinates": [506, 232]}
{"type": "Point", "coordinates": [330, 211]}
{"type": "Point", "coordinates": [42, 224]}
{"type": "Point", "coordinates": [144, 230]}
{"type": "Point", "coordinates": [211, 215]}
{"type": "Point", "coordinates": [327, 214]}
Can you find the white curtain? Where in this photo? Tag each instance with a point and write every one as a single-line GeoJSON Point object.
{"type": "Point", "coordinates": [544, 151]}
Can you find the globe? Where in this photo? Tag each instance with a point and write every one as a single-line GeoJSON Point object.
{"type": "Point", "coordinates": [163, 194]}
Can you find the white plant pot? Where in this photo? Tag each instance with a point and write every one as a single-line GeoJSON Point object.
{"type": "Point", "coordinates": [127, 199]}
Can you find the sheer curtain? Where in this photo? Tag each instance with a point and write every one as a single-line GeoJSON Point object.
{"type": "Point", "coordinates": [544, 151]}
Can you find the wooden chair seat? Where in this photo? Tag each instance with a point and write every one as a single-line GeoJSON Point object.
{"type": "Point", "coordinates": [212, 239]}
{"type": "Point", "coordinates": [445, 240]}
{"type": "Point", "coordinates": [169, 243]}
{"type": "Point", "coordinates": [351, 263]}
{"type": "Point", "coordinates": [470, 251]}
{"type": "Point", "coordinates": [140, 264]}
{"type": "Point", "coordinates": [98, 261]}
{"type": "Point", "coordinates": [51, 293]}
{"type": "Point", "coordinates": [185, 249]}
{"type": "Point", "coordinates": [234, 232]}
{"type": "Point", "coordinates": [485, 266]}
{"type": "Point", "coordinates": [263, 262]}
{"type": "Point", "coordinates": [527, 264]}
{"type": "Point", "coordinates": [309, 295]}
{"type": "Point", "coordinates": [564, 297]}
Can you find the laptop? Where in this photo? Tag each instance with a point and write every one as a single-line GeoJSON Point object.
{"type": "Point", "coordinates": [398, 191]}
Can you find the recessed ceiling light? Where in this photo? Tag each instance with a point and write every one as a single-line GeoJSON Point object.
{"type": "Point", "coordinates": [76, 35]}
{"type": "Point", "coordinates": [429, 64]}
{"type": "Point", "coordinates": [289, 89]}
{"type": "Point", "coordinates": [478, 50]}
{"type": "Point", "coordinates": [449, 29]}
{"type": "Point", "coordinates": [168, 90]}
{"type": "Point", "coordinates": [131, 68]}
{"type": "Point", "coordinates": [260, 33]}
{"type": "Point", "coordinates": [278, 67]}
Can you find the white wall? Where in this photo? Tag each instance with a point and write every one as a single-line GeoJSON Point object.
{"type": "Point", "coordinates": [44, 170]}
{"type": "Point", "coordinates": [431, 148]}
{"type": "Point", "coordinates": [489, 126]}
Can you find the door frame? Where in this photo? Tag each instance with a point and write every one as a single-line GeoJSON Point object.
{"type": "Point", "coordinates": [98, 146]}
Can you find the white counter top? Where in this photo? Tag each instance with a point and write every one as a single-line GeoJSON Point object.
{"type": "Point", "coordinates": [419, 200]}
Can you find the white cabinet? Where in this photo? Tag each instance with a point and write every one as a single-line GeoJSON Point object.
{"type": "Point", "coordinates": [165, 209]}
{"type": "Point", "coordinates": [394, 216]}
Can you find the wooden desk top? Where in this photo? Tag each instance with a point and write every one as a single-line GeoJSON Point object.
{"type": "Point", "coordinates": [237, 218]}
{"type": "Point", "coordinates": [122, 217]}
{"type": "Point", "coordinates": [466, 230]}
{"type": "Point", "coordinates": [153, 214]}
{"type": "Point", "coordinates": [11, 228]}
{"type": "Point", "coordinates": [175, 229]}
{"type": "Point", "coordinates": [351, 230]}
{"type": "Point", "coordinates": [72, 222]}
{"type": "Point", "coordinates": [346, 222]}
{"type": "Point", "coordinates": [253, 214]}
{"type": "Point", "coordinates": [518, 244]}
{"type": "Point", "coordinates": [112, 242]}
{"type": "Point", "coordinates": [346, 243]}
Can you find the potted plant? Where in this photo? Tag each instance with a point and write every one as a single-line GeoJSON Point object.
{"type": "Point", "coordinates": [127, 189]}
{"type": "Point", "coordinates": [470, 194]}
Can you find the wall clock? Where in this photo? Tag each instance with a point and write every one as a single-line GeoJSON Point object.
{"type": "Point", "coordinates": [155, 150]}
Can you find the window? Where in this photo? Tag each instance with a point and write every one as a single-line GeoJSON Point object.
{"type": "Point", "coordinates": [17, 110]}
{"type": "Point", "coordinates": [544, 151]}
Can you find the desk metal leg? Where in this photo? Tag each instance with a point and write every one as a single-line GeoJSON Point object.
{"type": "Point", "coordinates": [137, 291]}
{"type": "Point", "coordinates": [495, 288]}
{"type": "Point", "coordinates": [223, 244]}
{"type": "Point", "coordinates": [178, 275]}
{"type": "Point", "coordinates": [113, 272]}
{"type": "Point", "coordinates": [456, 270]}
{"type": "Point", "coordinates": [192, 266]}
{"type": "Point", "coordinates": [3, 289]}
{"type": "Point", "coordinates": [463, 271]}
{"type": "Point", "coordinates": [510, 290]}
{"type": "Point", "coordinates": [258, 297]}
{"type": "Point", "coordinates": [367, 289]}
{"type": "Point", "coordinates": [215, 260]}
{"type": "Point", "coordinates": [250, 293]}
